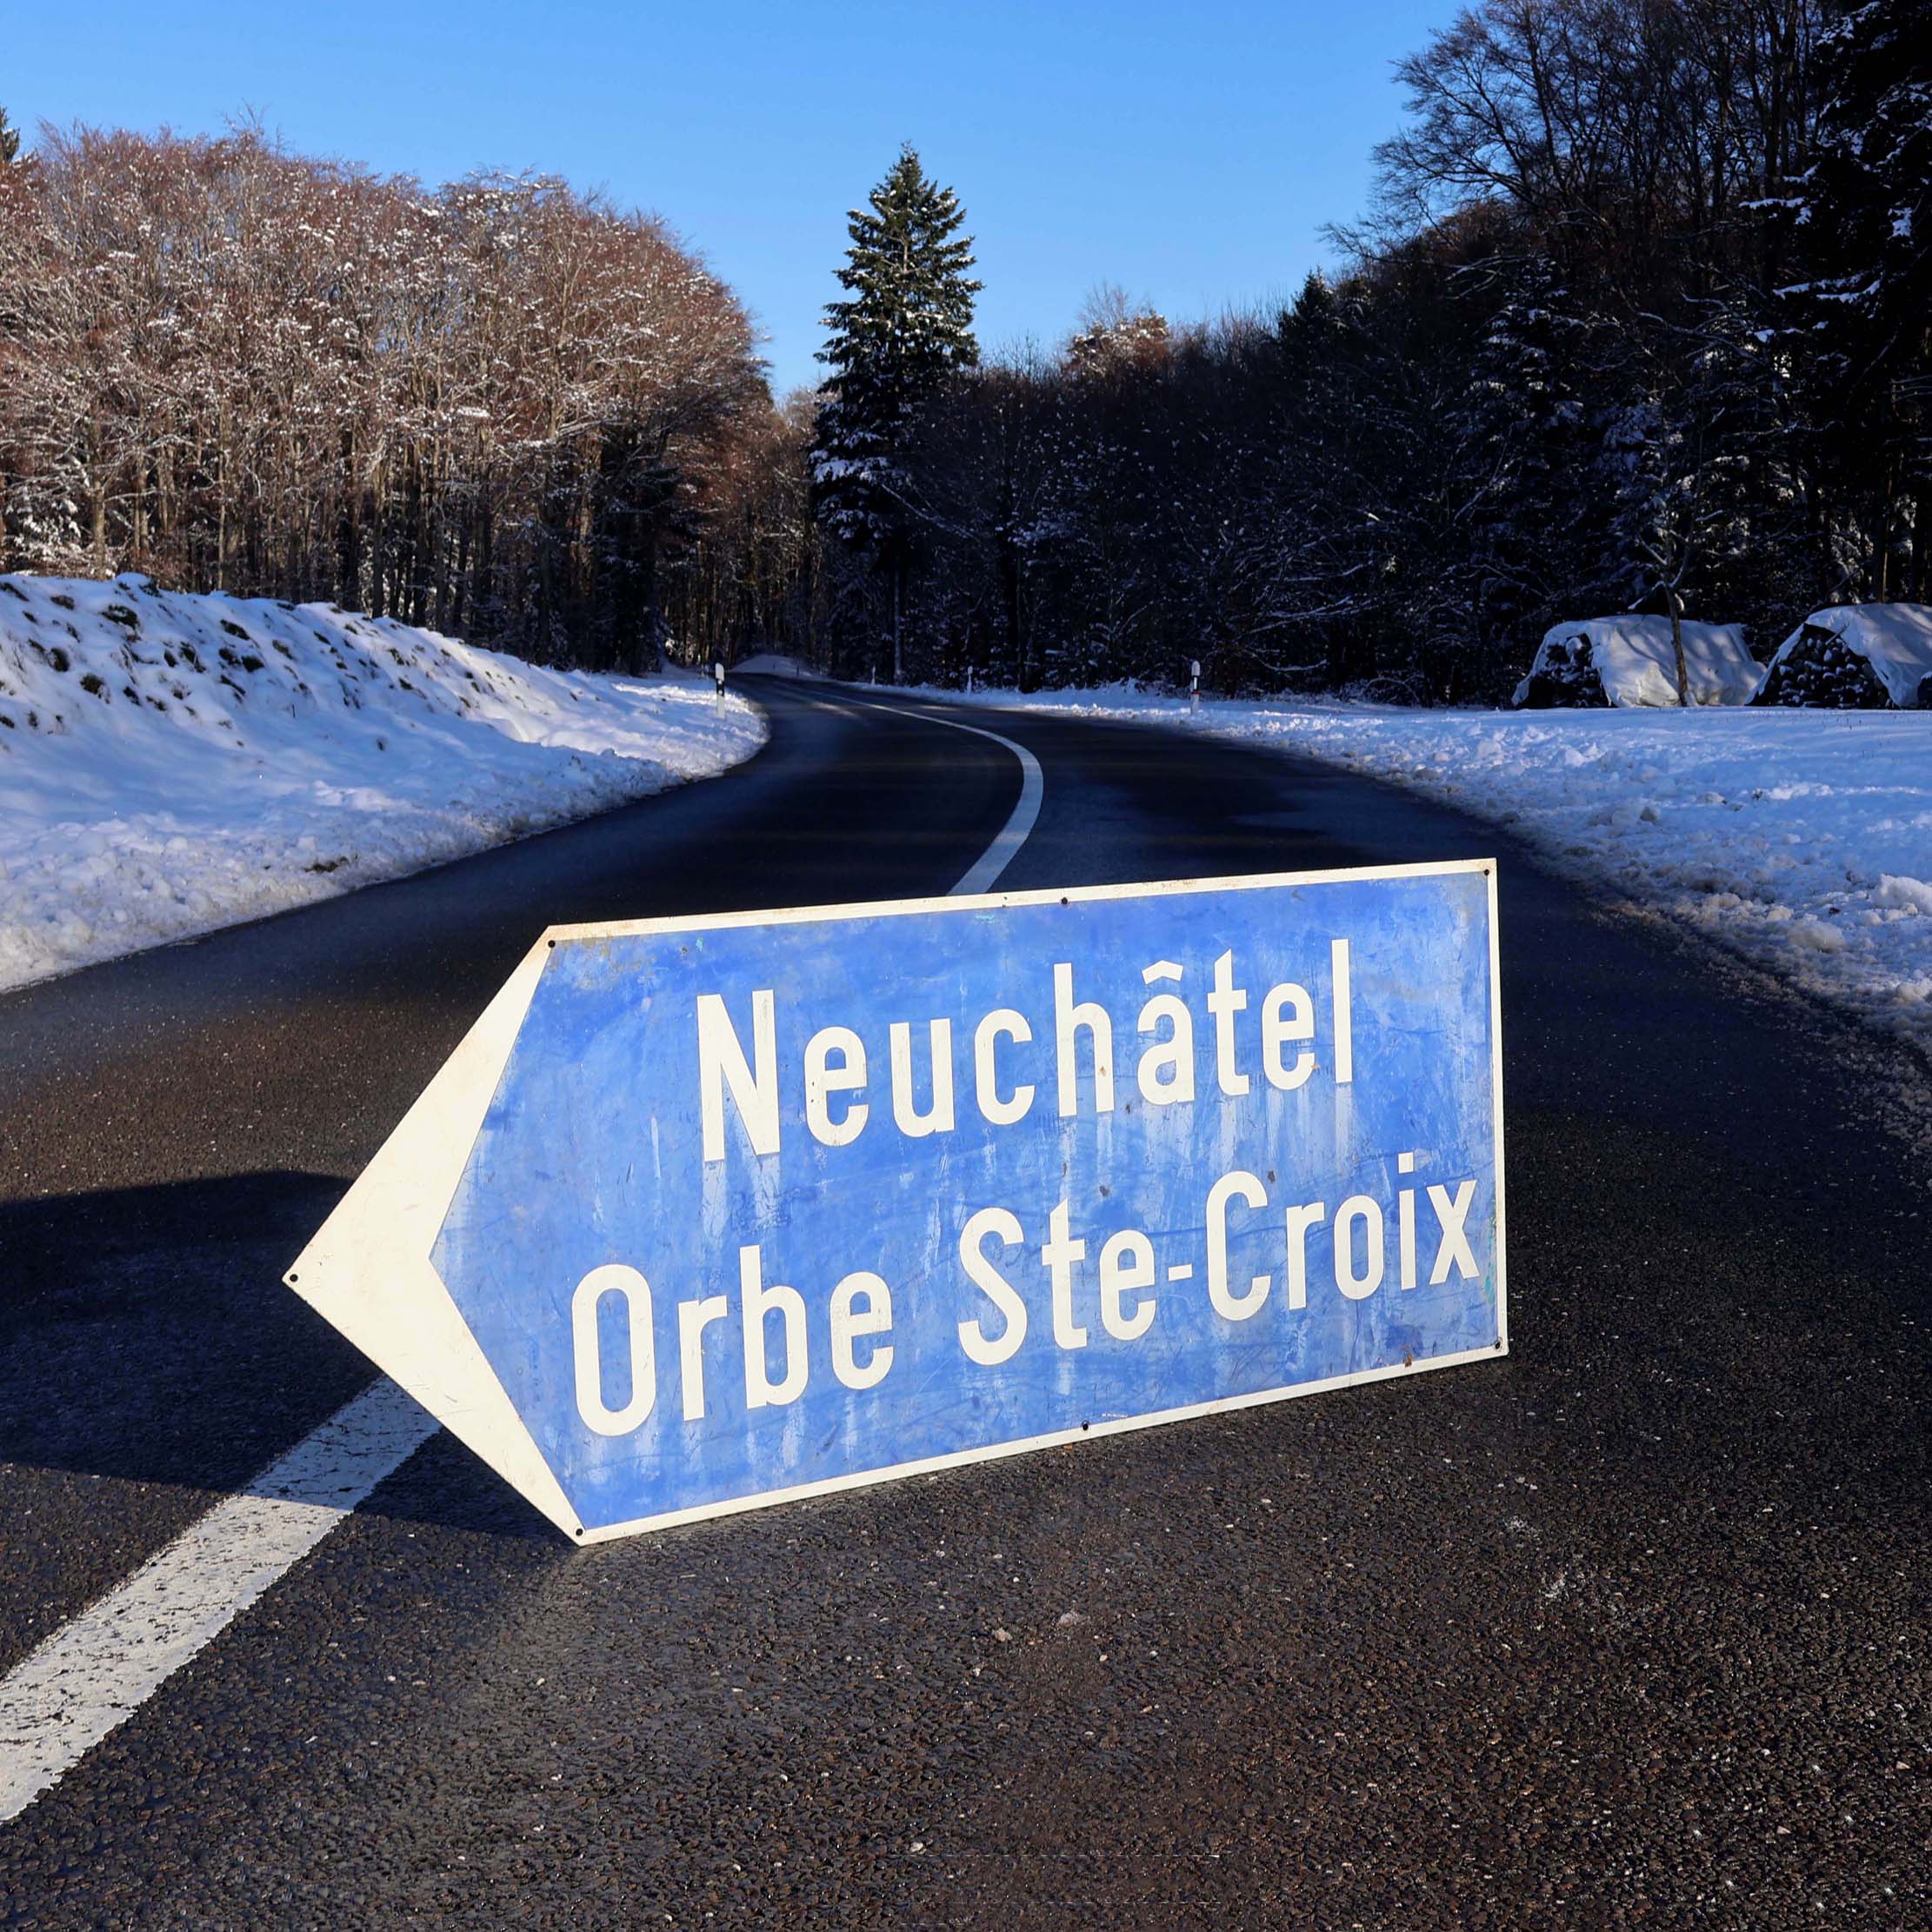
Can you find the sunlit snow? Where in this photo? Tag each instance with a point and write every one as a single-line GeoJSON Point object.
{"type": "Point", "coordinates": [171, 763]}
{"type": "Point", "coordinates": [1803, 838]}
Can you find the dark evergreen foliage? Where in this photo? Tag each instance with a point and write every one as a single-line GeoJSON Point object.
{"type": "Point", "coordinates": [904, 327]}
{"type": "Point", "coordinates": [1860, 321]}
{"type": "Point", "coordinates": [1640, 323]}
{"type": "Point", "coordinates": [1532, 434]}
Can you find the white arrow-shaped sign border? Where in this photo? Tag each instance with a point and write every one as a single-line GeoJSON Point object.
{"type": "Point", "coordinates": [370, 1259]}
{"type": "Point", "coordinates": [368, 1273]}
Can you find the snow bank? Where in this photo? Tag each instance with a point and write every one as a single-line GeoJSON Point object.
{"type": "Point", "coordinates": [1635, 661]}
{"type": "Point", "coordinates": [170, 763]}
{"type": "Point", "coordinates": [1804, 839]}
{"type": "Point", "coordinates": [1894, 639]}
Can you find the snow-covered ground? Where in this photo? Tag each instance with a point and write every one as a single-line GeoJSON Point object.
{"type": "Point", "coordinates": [171, 763]}
{"type": "Point", "coordinates": [1801, 838]}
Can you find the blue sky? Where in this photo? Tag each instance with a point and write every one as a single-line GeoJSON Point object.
{"type": "Point", "coordinates": [1189, 156]}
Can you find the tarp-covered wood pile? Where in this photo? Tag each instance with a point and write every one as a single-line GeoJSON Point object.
{"type": "Point", "coordinates": [1856, 657]}
{"type": "Point", "coordinates": [1629, 660]}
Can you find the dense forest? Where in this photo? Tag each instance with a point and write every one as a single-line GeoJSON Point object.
{"type": "Point", "coordinates": [1641, 316]}
{"type": "Point", "coordinates": [502, 408]}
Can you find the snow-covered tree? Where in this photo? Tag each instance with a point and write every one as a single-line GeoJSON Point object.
{"type": "Point", "coordinates": [1529, 436]}
{"type": "Point", "coordinates": [1863, 316]}
{"type": "Point", "coordinates": [1115, 335]}
{"type": "Point", "coordinates": [903, 328]}
{"type": "Point", "coordinates": [502, 407]}
{"type": "Point", "coordinates": [1698, 455]}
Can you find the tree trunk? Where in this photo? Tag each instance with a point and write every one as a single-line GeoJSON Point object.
{"type": "Point", "coordinates": [349, 534]}
{"type": "Point", "coordinates": [898, 600]}
{"type": "Point", "coordinates": [97, 499]}
{"type": "Point", "coordinates": [1010, 598]}
{"type": "Point", "coordinates": [1677, 645]}
{"type": "Point", "coordinates": [479, 589]}
{"type": "Point", "coordinates": [221, 495]}
{"type": "Point", "coordinates": [378, 550]}
{"type": "Point", "coordinates": [1885, 529]}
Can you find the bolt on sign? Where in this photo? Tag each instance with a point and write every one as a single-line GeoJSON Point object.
{"type": "Point", "coordinates": [710, 1213]}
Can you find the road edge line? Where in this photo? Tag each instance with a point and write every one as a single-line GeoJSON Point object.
{"type": "Point", "coordinates": [985, 871]}
{"type": "Point", "coordinates": [97, 1669]}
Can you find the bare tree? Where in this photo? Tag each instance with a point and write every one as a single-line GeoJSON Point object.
{"type": "Point", "coordinates": [498, 406]}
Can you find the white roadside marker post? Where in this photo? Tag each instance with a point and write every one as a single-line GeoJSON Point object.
{"type": "Point", "coordinates": [717, 672]}
{"type": "Point", "coordinates": [1193, 685]}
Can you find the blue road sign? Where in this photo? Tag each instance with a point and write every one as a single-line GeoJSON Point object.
{"type": "Point", "coordinates": [710, 1213]}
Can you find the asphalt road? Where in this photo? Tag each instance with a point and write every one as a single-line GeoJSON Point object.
{"type": "Point", "coordinates": [1626, 1628]}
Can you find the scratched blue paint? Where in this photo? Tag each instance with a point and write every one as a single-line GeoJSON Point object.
{"type": "Point", "coordinates": [591, 1155]}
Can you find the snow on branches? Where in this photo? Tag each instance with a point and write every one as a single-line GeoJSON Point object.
{"type": "Point", "coordinates": [495, 406]}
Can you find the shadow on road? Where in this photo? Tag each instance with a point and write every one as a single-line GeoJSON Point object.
{"type": "Point", "coordinates": [146, 1337]}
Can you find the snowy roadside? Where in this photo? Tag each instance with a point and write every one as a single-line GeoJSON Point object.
{"type": "Point", "coordinates": [173, 764]}
{"type": "Point", "coordinates": [1801, 838]}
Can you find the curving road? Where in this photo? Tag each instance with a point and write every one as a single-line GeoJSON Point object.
{"type": "Point", "coordinates": [1629, 1628]}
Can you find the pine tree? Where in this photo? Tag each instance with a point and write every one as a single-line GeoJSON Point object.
{"type": "Point", "coordinates": [904, 328]}
{"type": "Point", "coordinates": [1865, 319]}
{"type": "Point", "coordinates": [1744, 496]}
{"type": "Point", "coordinates": [1644, 454]}
{"type": "Point", "coordinates": [1528, 433]}
{"type": "Point", "coordinates": [1705, 498]}
{"type": "Point", "coordinates": [9, 141]}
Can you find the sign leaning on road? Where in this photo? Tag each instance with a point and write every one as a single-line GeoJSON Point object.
{"type": "Point", "coordinates": [710, 1213]}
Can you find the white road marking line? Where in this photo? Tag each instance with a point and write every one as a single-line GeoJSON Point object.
{"type": "Point", "coordinates": [97, 1671]}
{"type": "Point", "coordinates": [99, 1667]}
{"type": "Point", "coordinates": [1012, 836]}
